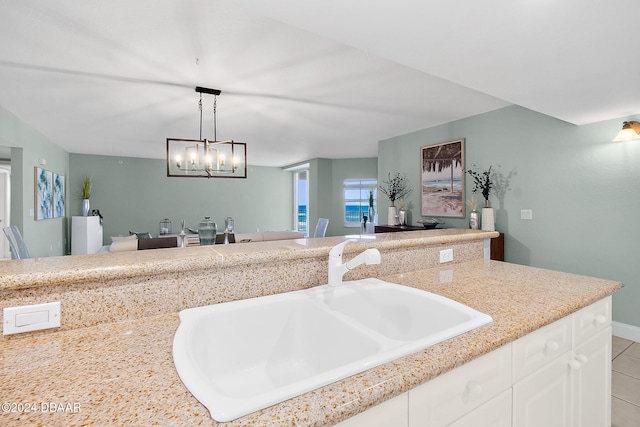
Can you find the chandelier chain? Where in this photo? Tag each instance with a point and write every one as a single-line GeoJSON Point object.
{"type": "Point", "coordinates": [215, 106]}
{"type": "Point", "coordinates": [200, 108]}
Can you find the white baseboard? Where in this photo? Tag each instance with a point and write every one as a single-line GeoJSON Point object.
{"type": "Point", "coordinates": [629, 332]}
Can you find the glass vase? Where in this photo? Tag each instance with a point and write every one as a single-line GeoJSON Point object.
{"type": "Point", "coordinates": [207, 232]}
{"type": "Point", "coordinates": [402, 217]}
{"type": "Point", "coordinates": [473, 220]}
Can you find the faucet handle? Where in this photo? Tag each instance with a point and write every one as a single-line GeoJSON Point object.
{"type": "Point", "coordinates": [337, 250]}
{"type": "Point", "coordinates": [372, 256]}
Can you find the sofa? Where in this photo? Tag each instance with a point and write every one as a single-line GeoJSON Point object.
{"type": "Point", "coordinates": [268, 236]}
{"type": "Point", "coordinates": [132, 243]}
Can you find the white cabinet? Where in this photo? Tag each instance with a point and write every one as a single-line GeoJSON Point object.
{"type": "Point", "coordinates": [495, 413]}
{"type": "Point", "coordinates": [592, 382]}
{"type": "Point", "coordinates": [537, 349]}
{"type": "Point", "coordinates": [544, 397]}
{"type": "Point", "coordinates": [570, 388]}
{"type": "Point", "coordinates": [449, 396]}
{"type": "Point", "coordinates": [86, 235]}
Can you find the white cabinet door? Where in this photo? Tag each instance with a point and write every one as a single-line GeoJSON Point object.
{"type": "Point", "coordinates": [494, 413]}
{"type": "Point", "coordinates": [592, 382]}
{"type": "Point", "coordinates": [444, 399]}
{"type": "Point", "coordinates": [544, 397]}
{"type": "Point", "coordinates": [573, 390]}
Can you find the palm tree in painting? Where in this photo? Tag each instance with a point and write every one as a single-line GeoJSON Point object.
{"type": "Point", "coordinates": [440, 157]}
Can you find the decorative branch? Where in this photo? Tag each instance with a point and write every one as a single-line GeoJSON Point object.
{"type": "Point", "coordinates": [481, 182]}
{"type": "Point", "coordinates": [395, 188]}
{"type": "Point", "coordinates": [86, 187]}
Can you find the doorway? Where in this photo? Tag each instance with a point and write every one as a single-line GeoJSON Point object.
{"type": "Point", "coordinates": [5, 204]}
{"type": "Point", "coordinates": [301, 201]}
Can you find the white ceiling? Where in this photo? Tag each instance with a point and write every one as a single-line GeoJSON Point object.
{"type": "Point", "coordinates": [308, 79]}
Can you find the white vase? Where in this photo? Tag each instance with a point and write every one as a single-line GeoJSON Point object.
{"type": "Point", "coordinates": [85, 207]}
{"type": "Point", "coordinates": [488, 221]}
{"type": "Point", "coordinates": [391, 215]}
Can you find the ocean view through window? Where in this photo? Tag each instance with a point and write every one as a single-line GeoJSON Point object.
{"type": "Point", "coordinates": [359, 195]}
{"type": "Point", "coordinates": [301, 201]}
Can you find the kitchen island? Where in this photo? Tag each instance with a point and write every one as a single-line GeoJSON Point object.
{"type": "Point", "coordinates": [111, 362]}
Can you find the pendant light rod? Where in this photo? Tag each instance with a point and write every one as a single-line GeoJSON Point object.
{"type": "Point", "coordinates": [207, 90]}
{"type": "Point", "coordinates": [215, 119]}
{"type": "Point", "coordinates": [200, 108]}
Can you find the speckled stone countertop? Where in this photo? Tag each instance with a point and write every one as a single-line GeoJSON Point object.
{"type": "Point", "coordinates": [123, 373]}
{"type": "Point", "coordinates": [36, 272]}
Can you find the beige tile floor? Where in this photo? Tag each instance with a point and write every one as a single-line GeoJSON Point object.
{"type": "Point", "coordinates": [625, 384]}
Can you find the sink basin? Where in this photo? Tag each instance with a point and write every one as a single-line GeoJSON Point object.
{"type": "Point", "coordinates": [242, 356]}
{"type": "Point", "coordinates": [400, 312]}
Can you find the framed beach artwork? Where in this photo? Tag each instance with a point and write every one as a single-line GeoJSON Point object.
{"type": "Point", "coordinates": [58, 196]}
{"type": "Point", "coordinates": [43, 194]}
{"type": "Point", "coordinates": [442, 179]}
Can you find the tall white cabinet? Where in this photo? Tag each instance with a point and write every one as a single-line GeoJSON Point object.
{"type": "Point", "coordinates": [86, 235]}
{"type": "Point", "coordinates": [572, 385]}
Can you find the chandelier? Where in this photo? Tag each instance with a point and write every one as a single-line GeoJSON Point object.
{"type": "Point", "coordinates": [204, 158]}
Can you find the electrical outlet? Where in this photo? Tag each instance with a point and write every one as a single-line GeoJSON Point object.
{"type": "Point", "coordinates": [446, 276]}
{"type": "Point", "coordinates": [29, 318]}
{"type": "Point", "coordinates": [526, 214]}
{"type": "Point", "coordinates": [446, 255]}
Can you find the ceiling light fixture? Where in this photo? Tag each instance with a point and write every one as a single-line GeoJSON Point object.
{"type": "Point", "coordinates": [630, 131]}
{"type": "Point", "coordinates": [203, 158]}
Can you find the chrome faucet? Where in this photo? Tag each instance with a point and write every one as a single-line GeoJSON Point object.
{"type": "Point", "coordinates": [337, 269]}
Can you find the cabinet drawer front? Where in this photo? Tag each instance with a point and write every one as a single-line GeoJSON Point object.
{"type": "Point", "coordinates": [450, 396]}
{"type": "Point", "coordinates": [591, 320]}
{"type": "Point", "coordinates": [494, 413]}
{"type": "Point", "coordinates": [533, 351]}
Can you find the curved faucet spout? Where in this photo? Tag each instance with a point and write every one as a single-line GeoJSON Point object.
{"type": "Point", "coordinates": [337, 269]}
{"type": "Point", "coordinates": [369, 257]}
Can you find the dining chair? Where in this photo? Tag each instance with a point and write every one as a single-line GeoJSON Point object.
{"type": "Point", "coordinates": [321, 227]}
{"type": "Point", "coordinates": [16, 243]}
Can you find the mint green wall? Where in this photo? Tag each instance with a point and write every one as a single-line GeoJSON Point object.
{"type": "Point", "coordinates": [582, 188]}
{"type": "Point", "coordinates": [317, 171]}
{"type": "Point", "coordinates": [326, 177]}
{"type": "Point", "coordinates": [29, 147]}
{"type": "Point", "coordinates": [320, 194]}
{"type": "Point", "coordinates": [135, 194]}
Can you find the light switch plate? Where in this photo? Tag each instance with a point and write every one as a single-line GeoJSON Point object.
{"type": "Point", "coordinates": [526, 214]}
{"type": "Point", "coordinates": [29, 318]}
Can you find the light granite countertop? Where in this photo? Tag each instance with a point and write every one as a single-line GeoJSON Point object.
{"type": "Point", "coordinates": [35, 272]}
{"type": "Point", "coordinates": [123, 373]}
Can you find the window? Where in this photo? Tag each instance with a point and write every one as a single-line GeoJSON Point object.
{"type": "Point", "coordinates": [356, 201]}
{"type": "Point", "coordinates": [301, 201]}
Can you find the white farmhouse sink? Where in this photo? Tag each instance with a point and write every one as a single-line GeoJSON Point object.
{"type": "Point", "coordinates": [242, 356]}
